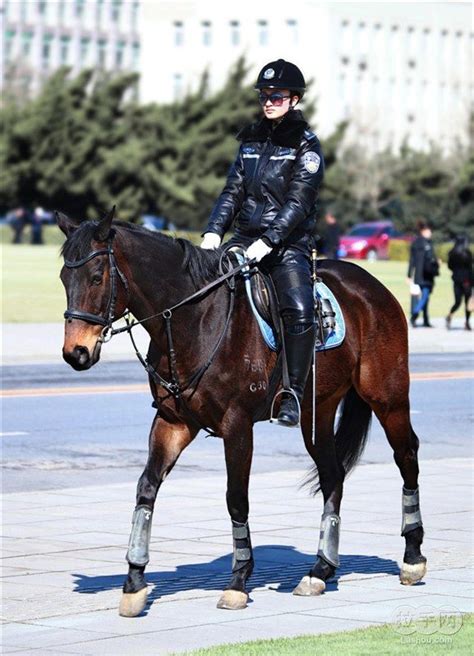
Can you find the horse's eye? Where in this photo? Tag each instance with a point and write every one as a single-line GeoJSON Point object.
{"type": "Point", "coordinates": [96, 279]}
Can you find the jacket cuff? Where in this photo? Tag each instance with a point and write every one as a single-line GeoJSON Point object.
{"type": "Point", "coordinates": [271, 238]}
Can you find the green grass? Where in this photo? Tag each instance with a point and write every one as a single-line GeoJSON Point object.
{"type": "Point", "coordinates": [32, 291]}
{"type": "Point", "coordinates": [379, 641]}
{"type": "Point", "coordinates": [394, 274]}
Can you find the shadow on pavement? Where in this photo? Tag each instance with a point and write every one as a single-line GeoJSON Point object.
{"type": "Point", "coordinates": [279, 567]}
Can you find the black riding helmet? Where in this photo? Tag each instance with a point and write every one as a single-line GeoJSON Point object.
{"type": "Point", "coordinates": [281, 74]}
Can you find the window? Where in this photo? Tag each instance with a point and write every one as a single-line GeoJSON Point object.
{"type": "Point", "coordinates": [411, 63]}
{"type": "Point", "coordinates": [79, 8]}
{"type": "Point", "coordinates": [26, 43]}
{"type": "Point", "coordinates": [345, 60]}
{"type": "Point", "coordinates": [134, 20]}
{"type": "Point", "coordinates": [292, 27]}
{"type": "Point", "coordinates": [115, 11]}
{"type": "Point", "coordinates": [177, 85]}
{"type": "Point", "coordinates": [46, 50]}
{"type": "Point", "coordinates": [263, 32]}
{"type": "Point", "coordinates": [84, 49]}
{"type": "Point", "coordinates": [135, 55]}
{"type": "Point", "coordinates": [23, 11]}
{"type": "Point", "coordinates": [119, 54]}
{"type": "Point", "coordinates": [178, 33]}
{"type": "Point", "coordinates": [100, 11]}
{"type": "Point", "coordinates": [102, 53]}
{"type": "Point", "coordinates": [206, 33]}
{"type": "Point", "coordinates": [42, 7]}
{"type": "Point", "coordinates": [61, 8]}
{"type": "Point", "coordinates": [64, 49]}
{"type": "Point", "coordinates": [9, 43]}
{"type": "Point", "coordinates": [235, 33]}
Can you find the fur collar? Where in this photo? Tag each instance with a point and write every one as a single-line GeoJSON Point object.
{"type": "Point", "coordinates": [287, 133]}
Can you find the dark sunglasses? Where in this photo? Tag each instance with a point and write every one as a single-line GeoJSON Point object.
{"type": "Point", "coordinates": [276, 99]}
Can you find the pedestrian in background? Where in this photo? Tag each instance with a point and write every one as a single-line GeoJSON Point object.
{"type": "Point", "coordinates": [422, 270]}
{"type": "Point", "coordinates": [17, 218]}
{"type": "Point", "coordinates": [331, 237]}
{"type": "Point", "coordinates": [460, 263]}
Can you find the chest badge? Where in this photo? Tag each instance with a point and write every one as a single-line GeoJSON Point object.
{"type": "Point", "coordinates": [311, 162]}
{"type": "Point", "coordinates": [269, 74]}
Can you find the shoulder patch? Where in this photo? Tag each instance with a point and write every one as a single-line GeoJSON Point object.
{"type": "Point", "coordinates": [311, 161]}
{"type": "Point", "coordinates": [309, 136]}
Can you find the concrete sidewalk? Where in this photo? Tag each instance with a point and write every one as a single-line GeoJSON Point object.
{"type": "Point", "coordinates": [42, 342]}
{"type": "Point", "coordinates": [64, 562]}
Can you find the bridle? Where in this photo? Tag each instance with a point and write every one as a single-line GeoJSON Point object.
{"type": "Point", "coordinates": [114, 273]}
{"type": "Point", "coordinates": [173, 387]}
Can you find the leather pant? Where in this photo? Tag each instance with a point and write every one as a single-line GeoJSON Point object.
{"type": "Point", "coordinates": [290, 270]}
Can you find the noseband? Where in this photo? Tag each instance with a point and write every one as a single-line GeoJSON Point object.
{"type": "Point", "coordinates": [114, 273]}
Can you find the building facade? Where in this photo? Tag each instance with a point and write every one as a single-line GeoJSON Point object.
{"type": "Point", "coordinates": [397, 71]}
{"type": "Point", "coordinates": [39, 36]}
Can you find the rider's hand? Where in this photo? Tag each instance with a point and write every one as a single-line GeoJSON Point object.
{"type": "Point", "coordinates": [211, 241]}
{"type": "Point", "coordinates": [258, 250]}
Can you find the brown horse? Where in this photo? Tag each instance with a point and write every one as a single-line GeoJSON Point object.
{"type": "Point", "coordinates": [223, 377]}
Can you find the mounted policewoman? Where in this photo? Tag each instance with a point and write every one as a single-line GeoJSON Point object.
{"type": "Point", "coordinates": [271, 193]}
{"type": "Point", "coordinates": [207, 363]}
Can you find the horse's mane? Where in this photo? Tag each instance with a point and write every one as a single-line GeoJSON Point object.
{"type": "Point", "coordinates": [202, 265]}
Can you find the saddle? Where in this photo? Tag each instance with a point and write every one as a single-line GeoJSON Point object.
{"type": "Point", "coordinates": [264, 303]}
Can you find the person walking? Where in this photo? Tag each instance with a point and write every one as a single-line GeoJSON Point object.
{"type": "Point", "coordinates": [271, 193]}
{"type": "Point", "coordinates": [332, 236]}
{"type": "Point", "coordinates": [423, 267]}
{"type": "Point", "coordinates": [460, 263]}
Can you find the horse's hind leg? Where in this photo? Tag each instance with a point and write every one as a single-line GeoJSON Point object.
{"type": "Point", "coordinates": [238, 458]}
{"type": "Point", "coordinates": [331, 479]}
{"type": "Point", "coordinates": [166, 443]}
{"type": "Point", "coordinates": [395, 421]}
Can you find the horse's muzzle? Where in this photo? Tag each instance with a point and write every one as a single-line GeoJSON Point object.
{"type": "Point", "coordinates": [80, 358]}
{"type": "Point", "coordinates": [82, 344]}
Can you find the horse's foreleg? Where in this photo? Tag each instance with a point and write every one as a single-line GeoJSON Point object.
{"type": "Point", "coordinates": [238, 458]}
{"type": "Point", "coordinates": [331, 478]}
{"type": "Point", "coordinates": [404, 442]}
{"type": "Point", "coordinates": [166, 443]}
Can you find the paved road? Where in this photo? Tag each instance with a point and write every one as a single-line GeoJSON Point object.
{"type": "Point", "coordinates": [92, 433]}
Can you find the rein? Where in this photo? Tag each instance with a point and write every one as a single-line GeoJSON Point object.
{"type": "Point", "coordinates": [173, 387]}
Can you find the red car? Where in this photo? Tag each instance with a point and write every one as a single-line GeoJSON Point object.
{"type": "Point", "coordinates": [369, 241]}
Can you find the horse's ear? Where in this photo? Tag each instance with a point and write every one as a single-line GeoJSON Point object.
{"type": "Point", "coordinates": [103, 229]}
{"type": "Point", "coordinates": [65, 223]}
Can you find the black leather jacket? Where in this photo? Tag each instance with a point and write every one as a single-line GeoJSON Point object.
{"type": "Point", "coordinates": [272, 187]}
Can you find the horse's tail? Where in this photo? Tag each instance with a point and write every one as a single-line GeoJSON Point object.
{"type": "Point", "coordinates": [351, 436]}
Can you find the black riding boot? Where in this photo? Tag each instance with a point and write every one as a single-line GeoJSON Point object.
{"type": "Point", "coordinates": [299, 352]}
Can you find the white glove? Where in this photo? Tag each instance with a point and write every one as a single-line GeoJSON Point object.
{"type": "Point", "coordinates": [211, 241]}
{"type": "Point", "coordinates": [258, 250]}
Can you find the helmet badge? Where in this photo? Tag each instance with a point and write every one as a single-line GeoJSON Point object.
{"type": "Point", "coordinates": [269, 74]}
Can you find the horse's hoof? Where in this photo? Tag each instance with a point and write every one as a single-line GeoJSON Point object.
{"type": "Point", "coordinates": [410, 574]}
{"type": "Point", "coordinates": [309, 586]}
{"type": "Point", "coordinates": [233, 600]}
{"type": "Point", "coordinates": [132, 603]}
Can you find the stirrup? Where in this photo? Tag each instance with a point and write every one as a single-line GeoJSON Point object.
{"type": "Point", "coordinates": [273, 419]}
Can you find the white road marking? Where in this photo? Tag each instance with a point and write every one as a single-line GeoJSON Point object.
{"type": "Point", "coordinates": [13, 434]}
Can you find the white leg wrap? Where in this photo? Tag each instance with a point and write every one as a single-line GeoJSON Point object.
{"type": "Point", "coordinates": [329, 538]}
{"type": "Point", "coordinates": [140, 535]}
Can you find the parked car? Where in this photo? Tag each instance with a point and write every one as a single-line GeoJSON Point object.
{"type": "Point", "coordinates": [154, 223]}
{"type": "Point", "coordinates": [369, 241]}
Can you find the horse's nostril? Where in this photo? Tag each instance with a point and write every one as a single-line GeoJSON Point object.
{"type": "Point", "coordinates": [82, 354]}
